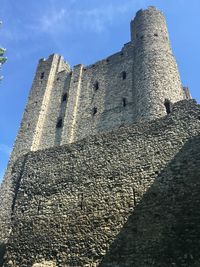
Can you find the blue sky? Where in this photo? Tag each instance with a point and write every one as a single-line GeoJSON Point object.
{"type": "Point", "coordinates": [83, 31]}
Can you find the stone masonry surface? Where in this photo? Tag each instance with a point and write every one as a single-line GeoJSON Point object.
{"type": "Point", "coordinates": [66, 105]}
{"type": "Point", "coordinates": [126, 198]}
{"type": "Point", "coordinates": [33, 120]}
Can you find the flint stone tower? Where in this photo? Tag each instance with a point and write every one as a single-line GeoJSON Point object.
{"type": "Point", "coordinates": [138, 84]}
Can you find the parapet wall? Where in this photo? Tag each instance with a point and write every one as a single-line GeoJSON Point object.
{"type": "Point", "coordinates": [126, 198]}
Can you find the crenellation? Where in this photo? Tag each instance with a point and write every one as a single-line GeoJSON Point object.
{"type": "Point", "coordinates": [187, 92]}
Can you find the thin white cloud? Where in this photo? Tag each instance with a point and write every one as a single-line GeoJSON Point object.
{"type": "Point", "coordinates": [52, 20]}
{"type": "Point", "coordinates": [56, 19]}
{"type": "Point", "coordinates": [5, 149]}
{"type": "Point", "coordinates": [94, 19]}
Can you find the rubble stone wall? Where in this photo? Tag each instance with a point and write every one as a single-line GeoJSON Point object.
{"type": "Point", "coordinates": [127, 198]}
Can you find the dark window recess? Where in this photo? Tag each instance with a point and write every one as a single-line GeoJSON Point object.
{"type": "Point", "coordinates": [64, 97]}
{"type": "Point", "coordinates": [42, 75]}
{"type": "Point", "coordinates": [124, 102]}
{"type": "Point", "coordinates": [134, 197]}
{"type": "Point", "coordinates": [141, 37]}
{"type": "Point", "coordinates": [123, 75]}
{"type": "Point", "coordinates": [59, 123]}
{"type": "Point", "coordinates": [39, 208]}
{"type": "Point", "coordinates": [155, 34]}
{"type": "Point", "coordinates": [94, 111]}
{"type": "Point", "coordinates": [81, 201]}
{"type": "Point", "coordinates": [168, 106]}
{"type": "Point", "coordinates": [96, 85]}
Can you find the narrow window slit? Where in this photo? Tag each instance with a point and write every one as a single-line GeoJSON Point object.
{"type": "Point", "coordinates": [64, 97]}
{"type": "Point", "coordinates": [124, 102]}
{"type": "Point", "coordinates": [96, 85]}
{"type": "Point", "coordinates": [134, 197]}
{"type": "Point", "coordinates": [42, 75]}
{"type": "Point", "coordinates": [81, 201]}
{"type": "Point", "coordinates": [123, 75]}
{"type": "Point", "coordinates": [39, 207]}
{"type": "Point", "coordinates": [59, 123]}
{"type": "Point", "coordinates": [94, 111]}
{"type": "Point", "coordinates": [168, 106]}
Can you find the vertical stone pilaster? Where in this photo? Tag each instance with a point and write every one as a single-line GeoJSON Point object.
{"type": "Point", "coordinates": [72, 112]}
{"type": "Point", "coordinates": [46, 102]}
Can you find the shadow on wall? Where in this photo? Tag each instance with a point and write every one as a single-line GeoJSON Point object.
{"type": "Point", "coordinates": [164, 229]}
{"type": "Point", "coordinates": [72, 214]}
{"type": "Point", "coordinates": [2, 252]}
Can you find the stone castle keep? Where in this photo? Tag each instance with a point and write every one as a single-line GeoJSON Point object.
{"type": "Point", "coordinates": [105, 167]}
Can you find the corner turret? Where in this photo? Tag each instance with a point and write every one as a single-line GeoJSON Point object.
{"type": "Point", "coordinates": [156, 77]}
